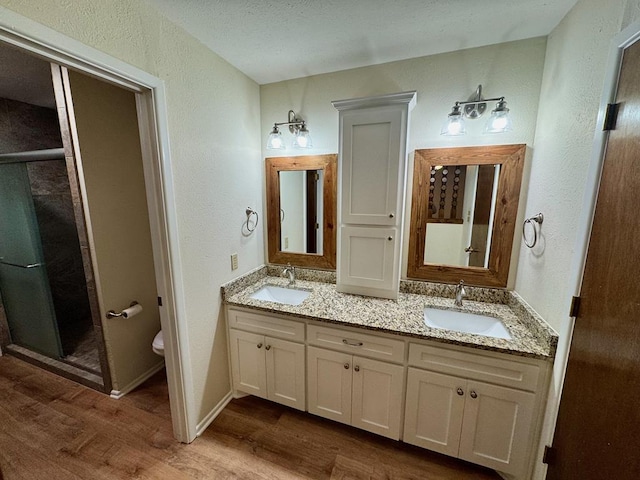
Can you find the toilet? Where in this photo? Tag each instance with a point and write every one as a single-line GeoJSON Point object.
{"type": "Point", "coordinates": [158, 344]}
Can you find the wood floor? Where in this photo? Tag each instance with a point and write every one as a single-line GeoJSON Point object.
{"type": "Point", "coordinates": [54, 429]}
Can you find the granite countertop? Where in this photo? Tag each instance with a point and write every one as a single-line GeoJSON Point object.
{"type": "Point", "coordinates": [531, 336]}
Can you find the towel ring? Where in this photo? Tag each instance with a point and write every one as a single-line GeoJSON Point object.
{"type": "Point", "coordinates": [539, 218]}
{"type": "Point", "coordinates": [250, 211]}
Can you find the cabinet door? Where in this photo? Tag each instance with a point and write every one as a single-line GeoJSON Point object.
{"type": "Point", "coordinates": [248, 363]}
{"type": "Point", "coordinates": [285, 372]}
{"type": "Point", "coordinates": [329, 384]}
{"type": "Point", "coordinates": [366, 260]}
{"type": "Point", "coordinates": [434, 411]}
{"type": "Point", "coordinates": [377, 397]}
{"type": "Point", "coordinates": [372, 165]}
{"type": "Point", "coordinates": [496, 431]}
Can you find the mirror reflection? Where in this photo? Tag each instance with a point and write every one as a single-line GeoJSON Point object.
{"type": "Point", "coordinates": [460, 210]}
{"type": "Point", "coordinates": [463, 213]}
{"type": "Point", "coordinates": [301, 211]}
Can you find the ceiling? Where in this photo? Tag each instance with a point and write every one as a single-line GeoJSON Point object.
{"type": "Point", "coordinates": [275, 40]}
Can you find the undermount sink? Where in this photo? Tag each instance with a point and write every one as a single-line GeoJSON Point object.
{"type": "Point", "coordinates": [466, 323]}
{"type": "Point", "coordinates": [287, 296]}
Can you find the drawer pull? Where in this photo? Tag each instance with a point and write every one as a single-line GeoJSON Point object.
{"type": "Point", "coordinates": [459, 391]}
{"type": "Point", "coordinates": [356, 368]}
{"type": "Point", "coordinates": [346, 366]}
{"type": "Point", "coordinates": [352, 343]}
{"type": "Point", "coordinates": [268, 347]}
{"type": "Point", "coordinates": [473, 394]}
{"type": "Point", "coordinates": [259, 345]}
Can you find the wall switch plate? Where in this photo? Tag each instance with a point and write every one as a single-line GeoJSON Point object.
{"type": "Point", "coordinates": [234, 261]}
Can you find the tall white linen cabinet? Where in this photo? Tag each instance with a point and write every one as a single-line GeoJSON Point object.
{"type": "Point", "coordinates": [372, 165]}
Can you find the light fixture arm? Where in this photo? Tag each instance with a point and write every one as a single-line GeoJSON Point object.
{"type": "Point", "coordinates": [483, 100]}
{"type": "Point", "coordinates": [295, 122]}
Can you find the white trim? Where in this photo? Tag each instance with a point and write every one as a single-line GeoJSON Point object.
{"type": "Point", "coordinates": [211, 416]}
{"type": "Point", "coordinates": [56, 47]}
{"type": "Point", "coordinates": [118, 394]}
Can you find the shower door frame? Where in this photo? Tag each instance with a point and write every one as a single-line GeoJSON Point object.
{"type": "Point", "coordinates": [57, 48]}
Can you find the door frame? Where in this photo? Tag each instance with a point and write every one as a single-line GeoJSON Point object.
{"type": "Point", "coordinates": [55, 47]}
{"type": "Point", "coordinates": [619, 43]}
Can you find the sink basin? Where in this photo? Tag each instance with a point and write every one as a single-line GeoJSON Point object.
{"type": "Point", "coordinates": [273, 293]}
{"type": "Point", "coordinates": [466, 323]}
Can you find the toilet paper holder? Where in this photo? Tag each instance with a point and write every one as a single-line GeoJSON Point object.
{"type": "Point", "coordinates": [127, 312]}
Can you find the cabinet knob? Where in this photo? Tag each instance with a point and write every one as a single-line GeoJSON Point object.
{"type": "Point", "coordinates": [391, 215]}
{"type": "Point", "coordinates": [259, 345]}
{"type": "Point", "coordinates": [356, 368]}
{"type": "Point", "coordinates": [459, 391]}
{"type": "Point", "coordinates": [346, 366]}
{"type": "Point", "coordinates": [390, 238]}
{"type": "Point", "coordinates": [268, 347]}
{"type": "Point", "coordinates": [473, 394]}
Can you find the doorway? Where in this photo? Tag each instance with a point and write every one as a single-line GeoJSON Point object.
{"type": "Point", "coordinates": [598, 417]}
{"type": "Point", "coordinates": [53, 46]}
{"type": "Point", "coordinates": [46, 312]}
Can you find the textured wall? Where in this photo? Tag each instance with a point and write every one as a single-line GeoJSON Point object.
{"type": "Point", "coordinates": [577, 52]}
{"type": "Point", "coordinates": [214, 121]}
{"type": "Point", "coordinates": [513, 70]}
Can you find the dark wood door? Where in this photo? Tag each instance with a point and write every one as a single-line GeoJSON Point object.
{"type": "Point", "coordinates": [598, 431]}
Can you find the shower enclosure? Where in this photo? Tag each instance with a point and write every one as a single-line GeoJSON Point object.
{"type": "Point", "coordinates": [43, 284]}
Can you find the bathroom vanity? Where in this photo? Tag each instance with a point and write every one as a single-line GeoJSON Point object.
{"type": "Point", "coordinates": [375, 364]}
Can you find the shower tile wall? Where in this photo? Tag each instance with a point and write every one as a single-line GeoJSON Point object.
{"type": "Point", "coordinates": [61, 250]}
{"type": "Point", "coordinates": [26, 127]}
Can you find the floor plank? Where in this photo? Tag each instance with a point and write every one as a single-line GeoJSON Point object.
{"type": "Point", "coordinates": [52, 428]}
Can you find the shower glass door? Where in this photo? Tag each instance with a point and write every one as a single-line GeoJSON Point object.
{"type": "Point", "coordinates": [24, 285]}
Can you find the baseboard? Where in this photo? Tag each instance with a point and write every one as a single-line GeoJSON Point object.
{"type": "Point", "coordinates": [211, 416]}
{"type": "Point", "coordinates": [117, 394]}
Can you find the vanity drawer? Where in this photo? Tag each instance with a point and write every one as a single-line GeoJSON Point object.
{"type": "Point", "coordinates": [266, 325]}
{"type": "Point", "coordinates": [355, 342]}
{"type": "Point", "coordinates": [498, 371]}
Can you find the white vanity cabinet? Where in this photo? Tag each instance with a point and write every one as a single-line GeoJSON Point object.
{"type": "Point", "coordinates": [478, 408]}
{"type": "Point", "coordinates": [481, 406]}
{"type": "Point", "coordinates": [264, 365]}
{"type": "Point", "coordinates": [346, 386]}
{"type": "Point", "coordinates": [371, 192]}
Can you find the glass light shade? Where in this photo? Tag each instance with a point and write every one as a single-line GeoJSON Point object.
{"type": "Point", "coordinates": [500, 120]}
{"type": "Point", "coordinates": [303, 139]}
{"type": "Point", "coordinates": [275, 140]}
{"type": "Point", "coordinates": [454, 125]}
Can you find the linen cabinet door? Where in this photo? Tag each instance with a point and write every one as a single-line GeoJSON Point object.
{"type": "Point", "coordinates": [496, 431]}
{"type": "Point", "coordinates": [329, 384]}
{"type": "Point", "coordinates": [285, 372]}
{"type": "Point", "coordinates": [372, 165]}
{"type": "Point", "coordinates": [434, 411]}
{"type": "Point", "coordinates": [368, 257]}
{"type": "Point", "coordinates": [377, 397]}
{"type": "Point", "coordinates": [248, 363]}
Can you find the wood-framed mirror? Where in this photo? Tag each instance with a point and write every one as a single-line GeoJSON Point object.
{"type": "Point", "coordinates": [301, 210]}
{"type": "Point", "coordinates": [463, 213]}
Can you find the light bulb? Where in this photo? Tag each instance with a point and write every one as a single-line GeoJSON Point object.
{"type": "Point", "coordinates": [500, 120]}
{"type": "Point", "coordinates": [275, 140]}
{"type": "Point", "coordinates": [454, 125]}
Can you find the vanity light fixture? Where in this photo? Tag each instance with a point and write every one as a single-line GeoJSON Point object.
{"type": "Point", "coordinates": [298, 129]}
{"type": "Point", "coordinates": [473, 108]}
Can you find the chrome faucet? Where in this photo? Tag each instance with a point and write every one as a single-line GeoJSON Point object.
{"type": "Point", "coordinates": [460, 294]}
{"type": "Point", "coordinates": [291, 271]}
